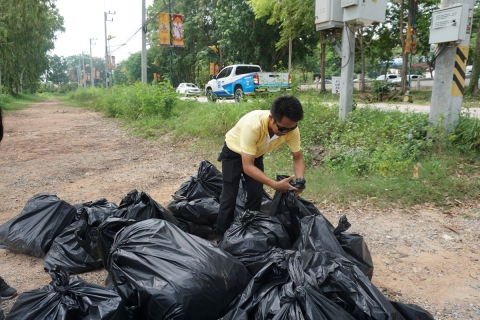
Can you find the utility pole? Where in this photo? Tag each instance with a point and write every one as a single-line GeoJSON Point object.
{"type": "Point", "coordinates": [144, 44]}
{"type": "Point", "coordinates": [106, 49]}
{"type": "Point", "coordinates": [449, 80]}
{"type": "Point", "coordinates": [92, 70]}
{"type": "Point", "coordinates": [348, 63]}
{"type": "Point", "coordinates": [83, 73]}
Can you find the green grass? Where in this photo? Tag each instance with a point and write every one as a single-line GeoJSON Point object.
{"type": "Point", "coordinates": [370, 157]}
{"type": "Point", "coordinates": [19, 102]}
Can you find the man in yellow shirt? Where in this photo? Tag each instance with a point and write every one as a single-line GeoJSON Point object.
{"type": "Point", "coordinates": [255, 134]}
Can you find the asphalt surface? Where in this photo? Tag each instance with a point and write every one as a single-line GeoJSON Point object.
{"type": "Point", "coordinates": [404, 106]}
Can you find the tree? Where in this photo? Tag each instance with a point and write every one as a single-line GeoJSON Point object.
{"type": "Point", "coordinates": [365, 37]}
{"type": "Point", "coordinates": [58, 72]}
{"type": "Point", "coordinates": [473, 86]}
{"type": "Point", "coordinates": [28, 30]}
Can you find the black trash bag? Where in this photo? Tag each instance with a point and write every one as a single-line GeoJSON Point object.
{"type": "Point", "coordinates": [105, 235]}
{"type": "Point", "coordinates": [356, 250]}
{"type": "Point", "coordinates": [343, 283]}
{"type": "Point", "coordinates": [67, 251]}
{"type": "Point", "coordinates": [300, 298]}
{"type": "Point", "coordinates": [237, 314]}
{"type": "Point", "coordinates": [140, 206]}
{"type": "Point", "coordinates": [162, 272]}
{"type": "Point", "coordinates": [206, 183]}
{"type": "Point", "coordinates": [203, 211]}
{"type": "Point", "coordinates": [261, 295]}
{"type": "Point", "coordinates": [317, 235]}
{"type": "Point", "coordinates": [75, 249]}
{"type": "Point", "coordinates": [242, 200]}
{"type": "Point", "coordinates": [33, 231]}
{"type": "Point", "coordinates": [98, 210]}
{"type": "Point", "coordinates": [68, 299]}
{"type": "Point", "coordinates": [290, 209]}
{"type": "Point", "coordinates": [199, 230]}
{"type": "Point", "coordinates": [252, 236]}
{"type": "Point", "coordinates": [343, 225]}
{"type": "Point", "coordinates": [282, 290]}
{"type": "Point", "coordinates": [412, 311]}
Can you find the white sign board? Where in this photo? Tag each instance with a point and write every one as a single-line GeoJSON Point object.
{"type": "Point", "coordinates": [336, 85]}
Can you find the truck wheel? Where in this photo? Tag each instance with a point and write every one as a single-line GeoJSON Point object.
{"type": "Point", "coordinates": [239, 95]}
{"type": "Point", "coordinates": [211, 96]}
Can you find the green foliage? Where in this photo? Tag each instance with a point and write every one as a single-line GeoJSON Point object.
{"type": "Point", "coordinates": [4, 100]}
{"type": "Point", "coordinates": [138, 101]}
{"type": "Point", "coordinates": [27, 33]}
{"type": "Point", "coordinates": [466, 136]}
{"type": "Point", "coordinates": [381, 88]}
{"type": "Point", "coordinates": [18, 101]}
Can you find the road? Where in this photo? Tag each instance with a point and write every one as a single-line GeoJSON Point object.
{"type": "Point", "coordinates": [475, 112]}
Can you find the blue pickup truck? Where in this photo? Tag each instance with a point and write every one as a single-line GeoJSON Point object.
{"type": "Point", "coordinates": [239, 80]}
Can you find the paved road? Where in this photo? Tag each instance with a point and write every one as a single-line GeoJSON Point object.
{"type": "Point", "coordinates": [475, 112]}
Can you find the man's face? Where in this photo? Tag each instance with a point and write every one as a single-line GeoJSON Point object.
{"type": "Point", "coordinates": [281, 128]}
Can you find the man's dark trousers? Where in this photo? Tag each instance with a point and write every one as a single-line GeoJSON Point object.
{"type": "Point", "coordinates": [232, 171]}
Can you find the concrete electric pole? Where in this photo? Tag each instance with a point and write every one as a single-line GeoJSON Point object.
{"type": "Point", "coordinates": [107, 82]}
{"type": "Point", "coordinates": [451, 61]}
{"type": "Point", "coordinates": [84, 80]}
{"type": "Point", "coordinates": [144, 44]}
{"type": "Point", "coordinates": [348, 63]}
{"type": "Point", "coordinates": [92, 70]}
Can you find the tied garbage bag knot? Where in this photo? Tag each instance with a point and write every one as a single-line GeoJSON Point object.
{"type": "Point", "coordinates": [291, 294]}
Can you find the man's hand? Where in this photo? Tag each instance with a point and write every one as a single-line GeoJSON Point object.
{"type": "Point", "coordinates": [284, 185]}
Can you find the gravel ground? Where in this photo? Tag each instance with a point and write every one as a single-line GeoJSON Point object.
{"type": "Point", "coordinates": [422, 255]}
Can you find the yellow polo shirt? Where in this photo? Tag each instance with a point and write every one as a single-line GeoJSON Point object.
{"type": "Point", "coordinates": [250, 135]}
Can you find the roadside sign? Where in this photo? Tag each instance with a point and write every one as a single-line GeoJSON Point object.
{"type": "Point", "coordinates": [336, 85]}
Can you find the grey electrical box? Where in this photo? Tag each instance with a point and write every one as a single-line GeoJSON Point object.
{"type": "Point", "coordinates": [365, 12]}
{"type": "Point", "coordinates": [328, 14]}
{"type": "Point", "coordinates": [348, 3]}
{"type": "Point", "coordinates": [449, 24]}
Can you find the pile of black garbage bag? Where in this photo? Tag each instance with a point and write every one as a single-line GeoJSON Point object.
{"type": "Point", "coordinates": [286, 261]}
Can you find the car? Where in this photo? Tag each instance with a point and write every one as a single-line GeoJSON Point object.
{"type": "Point", "coordinates": [468, 70]}
{"type": "Point", "coordinates": [412, 76]}
{"type": "Point", "coordinates": [358, 79]}
{"type": "Point", "coordinates": [388, 77]}
{"type": "Point", "coordinates": [320, 81]}
{"type": "Point", "coordinates": [188, 89]}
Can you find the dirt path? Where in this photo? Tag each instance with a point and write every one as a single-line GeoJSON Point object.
{"type": "Point", "coordinates": [421, 255]}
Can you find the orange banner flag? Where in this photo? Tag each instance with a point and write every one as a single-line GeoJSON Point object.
{"type": "Point", "coordinates": [178, 30]}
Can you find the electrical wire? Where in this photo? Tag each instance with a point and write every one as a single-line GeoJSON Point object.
{"type": "Point", "coordinates": [438, 55]}
{"type": "Point", "coordinates": [154, 17]}
{"type": "Point", "coordinates": [349, 46]}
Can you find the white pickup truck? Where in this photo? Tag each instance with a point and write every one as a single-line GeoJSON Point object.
{"type": "Point", "coordinates": [238, 80]}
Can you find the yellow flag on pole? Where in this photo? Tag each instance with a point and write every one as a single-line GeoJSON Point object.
{"type": "Point", "coordinates": [163, 29]}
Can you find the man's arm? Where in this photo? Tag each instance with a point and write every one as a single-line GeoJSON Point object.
{"type": "Point", "coordinates": [298, 168]}
{"type": "Point", "coordinates": [257, 174]}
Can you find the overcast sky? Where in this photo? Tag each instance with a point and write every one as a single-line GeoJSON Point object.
{"type": "Point", "coordinates": [84, 20]}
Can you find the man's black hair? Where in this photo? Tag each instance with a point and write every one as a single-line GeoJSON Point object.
{"type": "Point", "coordinates": [286, 106]}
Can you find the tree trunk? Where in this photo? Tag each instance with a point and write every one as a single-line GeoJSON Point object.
{"type": "Point", "coordinates": [404, 45]}
{"type": "Point", "coordinates": [473, 86]}
{"type": "Point", "coordinates": [362, 60]}
{"type": "Point", "coordinates": [323, 47]}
